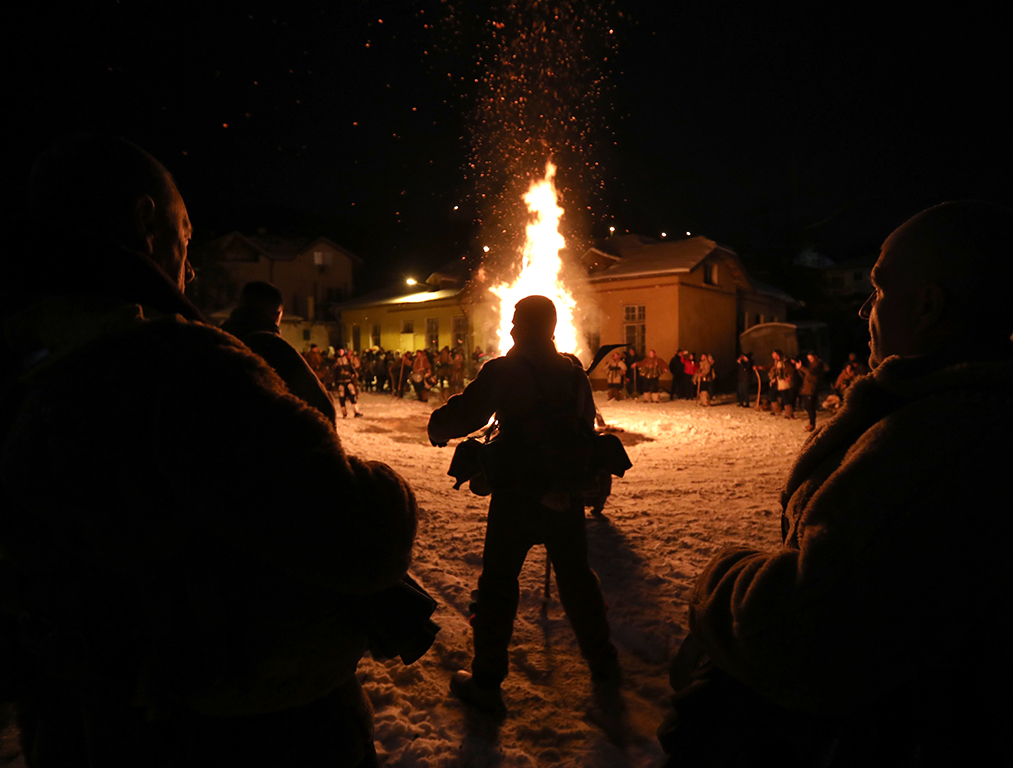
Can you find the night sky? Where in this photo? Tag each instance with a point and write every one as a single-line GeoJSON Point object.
{"type": "Point", "coordinates": [405, 130]}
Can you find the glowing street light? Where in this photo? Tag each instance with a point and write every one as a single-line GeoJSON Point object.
{"type": "Point", "coordinates": [411, 281]}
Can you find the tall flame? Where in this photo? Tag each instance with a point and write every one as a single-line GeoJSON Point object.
{"type": "Point", "coordinates": [540, 268]}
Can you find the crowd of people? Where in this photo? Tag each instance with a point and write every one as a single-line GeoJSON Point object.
{"type": "Point", "coordinates": [423, 371]}
{"type": "Point", "coordinates": [634, 376]}
{"type": "Point", "coordinates": [785, 384]}
{"type": "Point", "coordinates": [172, 595]}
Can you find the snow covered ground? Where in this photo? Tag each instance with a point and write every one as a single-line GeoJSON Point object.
{"type": "Point", "coordinates": [701, 477]}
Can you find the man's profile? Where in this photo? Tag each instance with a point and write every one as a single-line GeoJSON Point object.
{"type": "Point", "coordinates": [179, 596]}
{"type": "Point", "coordinates": [879, 631]}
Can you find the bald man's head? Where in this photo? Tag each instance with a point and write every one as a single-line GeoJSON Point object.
{"type": "Point", "coordinates": [942, 281]}
{"type": "Point", "coordinates": [112, 189]}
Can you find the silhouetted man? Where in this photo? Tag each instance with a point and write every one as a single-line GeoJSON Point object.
{"type": "Point", "coordinates": [182, 590]}
{"type": "Point", "coordinates": [256, 322]}
{"type": "Point", "coordinates": [533, 390]}
{"type": "Point", "coordinates": [879, 632]}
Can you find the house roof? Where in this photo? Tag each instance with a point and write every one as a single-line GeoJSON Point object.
{"type": "Point", "coordinates": [274, 247]}
{"type": "Point", "coordinates": [636, 258]}
{"type": "Point", "coordinates": [356, 261]}
{"type": "Point", "coordinates": [857, 262]}
{"type": "Point", "coordinates": [766, 289]}
{"type": "Point", "coordinates": [396, 295]}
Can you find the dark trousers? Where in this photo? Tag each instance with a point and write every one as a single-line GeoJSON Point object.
{"type": "Point", "coordinates": [516, 523]}
{"type": "Point", "coordinates": [743, 392]}
{"type": "Point", "coordinates": [809, 402]}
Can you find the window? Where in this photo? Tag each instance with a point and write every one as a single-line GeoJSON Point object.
{"type": "Point", "coordinates": [433, 332]}
{"type": "Point", "coordinates": [710, 274]}
{"type": "Point", "coordinates": [460, 331]}
{"type": "Point", "coordinates": [322, 261]}
{"type": "Point", "coordinates": [634, 327]}
{"type": "Point", "coordinates": [376, 334]}
{"type": "Point", "coordinates": [407, 326]}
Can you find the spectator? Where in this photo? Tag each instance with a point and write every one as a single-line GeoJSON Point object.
{"type": "Point", "coordinates": [849, 644]}
{"type": "Point", "coordinates": [207, 596]}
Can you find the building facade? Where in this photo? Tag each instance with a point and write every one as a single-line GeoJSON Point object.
{"type": "Point", "coordinates": [688, 294]}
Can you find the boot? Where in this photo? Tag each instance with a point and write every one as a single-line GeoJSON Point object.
{"type": "Point", "coordinates": [605, 670]}
{"type": "Point", "coordinates": [775, 407]}
{"type": "Point", "coordinates": [789, 411]}
{"type": "Point", "coordinates": [464, 687]}
{"type": "Point", "coordinates": [344, 412]}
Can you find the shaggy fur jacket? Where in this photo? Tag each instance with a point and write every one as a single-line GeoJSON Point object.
{"type": "Point", "coordinates": [166, 497]}
{"type": "Point", "coordinates": [890, 592]}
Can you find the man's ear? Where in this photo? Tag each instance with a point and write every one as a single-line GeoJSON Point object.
{"type": "Point", "coordinates": [144, 222]}
{"type": "Point", "coordinates": [931, 307]}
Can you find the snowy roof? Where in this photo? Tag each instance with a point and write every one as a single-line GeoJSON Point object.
{"type": "Point", "coordinates": [274, 247]}
{"type": "Point", "coordinates": [667, 258]}
{"type": "Point", "coordinates": [396, 295]}
{"type": "Point", "coordinates": [766, 289]}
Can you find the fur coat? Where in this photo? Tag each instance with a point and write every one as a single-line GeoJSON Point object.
{"type": "Point", "coordinates": [166, 497]}
{"type": "Point", "coordinates": [890, 592]}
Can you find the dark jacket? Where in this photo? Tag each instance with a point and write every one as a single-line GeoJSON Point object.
{"type": "Point", "coordinates": [264, 338]}
{"type": "Point", "coordinates": [510, 386]}
{"type": "Point", "coordinates": [812, 376]}
{"type": "Point", "coordinates": [165, 497]}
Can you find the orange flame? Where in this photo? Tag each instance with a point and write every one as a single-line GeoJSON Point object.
{"type": "Point", "coordinates": [540, 268]}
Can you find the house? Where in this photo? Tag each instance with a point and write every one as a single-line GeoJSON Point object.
{"type": "Point", "coordinates": [433, 314]}
{"type": "Point", "coordinates": [313, 277]}
{"type": "Point", "coordinates": [849, 278]}
{"type": "Point", "coordinates": [691, 294]}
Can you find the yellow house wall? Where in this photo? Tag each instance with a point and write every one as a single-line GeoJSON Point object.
{"type": "Point", "coordinates": [681, 312]}
{"type": "Point", "coordinates": [660, 299]}
{"type": "Point", "coordinates": [707, 324]}
{"type": "Point", "coordinates": [390, 318]}
{"type": "Point", "coordinates": [321, 334]}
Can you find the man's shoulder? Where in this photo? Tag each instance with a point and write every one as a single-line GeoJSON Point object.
{"type": "Point", "coordinates": [948, 417]}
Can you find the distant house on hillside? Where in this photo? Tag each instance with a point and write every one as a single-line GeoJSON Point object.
{"type": "Point", "coordinates": [313, 277]}
{"type": "Point", "coordinates": [689, 294]}
{"type": "Point", "coordinates": [849, 278]}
